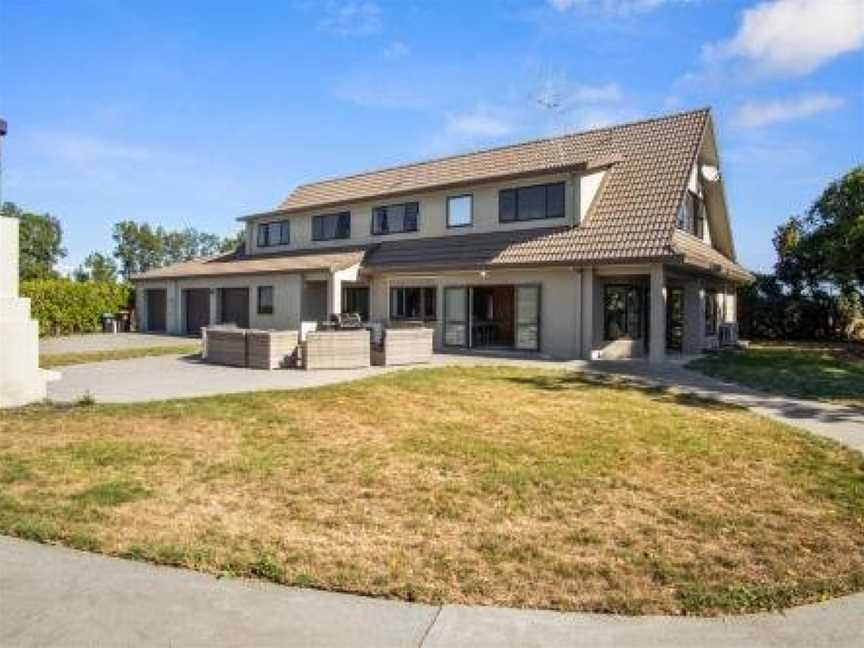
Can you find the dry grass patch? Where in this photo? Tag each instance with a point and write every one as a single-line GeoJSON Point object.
{"type": "Point", "coordinates": [499, 486]}
{"type": "Point", "coordinates": [54, 360]}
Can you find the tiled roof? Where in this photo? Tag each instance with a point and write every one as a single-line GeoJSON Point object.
{"type": "Point", "coordinates": [696, 253]}
{"type": "Point", "coordinates": [239, 264]}
{"type": "Point", "coordinates": [634, 214]}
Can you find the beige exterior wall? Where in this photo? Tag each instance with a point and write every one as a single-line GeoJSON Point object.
{"type": "Point", "coordinates": [571, 302]}
{"type": "Point", "coordinates": [580, 192]}
{"type": "Point", "coordinates": [560, 326]}
{"type": "Point", "coordinates": [286, 300]}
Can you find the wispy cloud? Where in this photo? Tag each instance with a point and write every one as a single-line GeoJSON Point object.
{"type": "Point", "coordinates": [396, 50]}
{"type": "Point", "coordinates": [793, 37]}
{"type": "Point", "coordinates": [88, 149]}
{"type": "Point", "coordinates": [614, 7]}
{"type": "Point", "coordinates": [758, 114]}
{"type": "Point", "coordinates": [478, 123]}
{"type": "Point", "coordinates": [351, 18]}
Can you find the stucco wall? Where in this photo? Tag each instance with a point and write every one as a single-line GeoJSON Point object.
{"type": "Point", "coordinates": [432, 219]}
{"type": "Point", "coordinates": [559, 301]}
{"type": "Point", "coordinates": [286, 300]}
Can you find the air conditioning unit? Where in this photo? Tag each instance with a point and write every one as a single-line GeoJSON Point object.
{"type": "Point", "coordinates": [728, 334]}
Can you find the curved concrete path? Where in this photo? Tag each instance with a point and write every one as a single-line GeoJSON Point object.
{"type": "Point", "coordinates": [52, 596]}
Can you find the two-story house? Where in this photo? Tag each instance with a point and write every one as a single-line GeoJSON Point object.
{"type": "Point", "coordinates": [609, 243]}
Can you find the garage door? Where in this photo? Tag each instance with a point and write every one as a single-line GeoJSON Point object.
{"type": "Point", "coordinates": [235, 306]}
{"type": "Point", "coordinates": [197, 309]}
{"type": "Point", "coordinates": [156, 309]}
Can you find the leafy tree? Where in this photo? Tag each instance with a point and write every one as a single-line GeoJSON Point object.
{"type": "Point", "coordinates": [97, 267]}
{"type": "Point", "coordinates": [231, 243]}
{"type": "Point", "coordinates": [138, 248]}
{"type": "Point", "coordinates": [827, 245]}
{"type": "Point", "coordinates": [41, 240]}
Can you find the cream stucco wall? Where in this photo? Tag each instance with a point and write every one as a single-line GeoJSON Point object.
{"type": "Point", "coordinates": [560, 326]}
{"type": "Point", "coordinates": [432, 220]}
{"type": "Point", "coordinates": [286, 299]}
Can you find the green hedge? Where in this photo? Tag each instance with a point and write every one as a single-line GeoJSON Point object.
{"type": "Point", "coordinates": [63, 306]}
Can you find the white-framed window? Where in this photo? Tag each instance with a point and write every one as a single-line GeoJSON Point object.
{"type": "Point", "coordinates": [265, 300]}
{"type": "Point", "coordinates": [460, 211]}
{"type": "Point", "coordinates": [276, 233]}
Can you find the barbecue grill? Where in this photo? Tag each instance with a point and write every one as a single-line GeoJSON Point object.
{"type": "Point", "coordinates": [346, 320]}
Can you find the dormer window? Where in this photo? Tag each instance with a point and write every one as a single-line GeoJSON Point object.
{"type": "Point", "coordinates": [327, 227]}
{"type": "Point", "coordinates": [531, 203]}
{"type": "Point", "coordinates": [270, 234]}
{"type": "Point", "coordinates": [394, 219]}
{"type": "Point", "coordinates": [691, 216]}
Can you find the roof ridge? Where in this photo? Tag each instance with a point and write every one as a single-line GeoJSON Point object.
{"type": "Point", "coordinates": [539, 140]}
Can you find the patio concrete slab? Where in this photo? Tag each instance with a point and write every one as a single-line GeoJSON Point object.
{"type": "Point", "coordinates": [176, 376]}
{"type": "Point", "coordinates": [110, 342]}
{"type": "Point", "coordinates": [53, 596]}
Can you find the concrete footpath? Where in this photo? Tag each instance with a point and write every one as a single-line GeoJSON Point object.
{"type": "Point", "coordinates": [52, 596]}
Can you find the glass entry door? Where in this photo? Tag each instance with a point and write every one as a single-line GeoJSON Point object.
{"type": "Point", "coordinates": [674, 319]}
{"type": "Point", "coordinates": [456, 316]}
{"type": "Point", "coordinates": [528, 318]}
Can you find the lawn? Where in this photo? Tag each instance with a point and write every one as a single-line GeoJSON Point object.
{"type": "Point", "coordinates": [494, 486]}
{"type": "Point", "coordinates": [824, 371]}
{"type": "Point", "coordinates": [53, 360]}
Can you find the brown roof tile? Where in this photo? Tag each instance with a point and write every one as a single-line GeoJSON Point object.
{"type": "Point", "coordinates": [239, 264]}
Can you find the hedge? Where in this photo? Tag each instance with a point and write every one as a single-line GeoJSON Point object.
{"type": "Point", "coordinates": [63, 306]}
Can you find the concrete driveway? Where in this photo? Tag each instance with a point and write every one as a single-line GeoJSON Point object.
{"type": "Point", "coordinates": [52, 596]}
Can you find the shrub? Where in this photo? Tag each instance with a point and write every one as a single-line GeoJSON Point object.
{"type": "Point", "coordinates": [63, 306]}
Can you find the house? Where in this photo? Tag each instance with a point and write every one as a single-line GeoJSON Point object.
{"type": "Point", "coordinates": [609, 243]}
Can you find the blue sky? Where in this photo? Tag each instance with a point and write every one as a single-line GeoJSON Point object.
{"type": "Point", "coordinates": [194, 113]}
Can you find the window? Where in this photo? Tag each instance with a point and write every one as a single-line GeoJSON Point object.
{"type": "Point", "coordinates": [393, 219]}
{"type": "Point", "coordinates": [622, 312]}
{"type": "Point", "coordinates": [326, 227]}
{"type": "Point", "coordinates": [712, 312]}
{"type": "Point", "coordinates": [412, 303]}
{"type": "Point", "coordinates": [270, 234]}
{"type": "Point", "coordinates": [460, 211]}
{"type": "Point", "coordinates": [265, 300]}
{"type": "Point", "coordinates": [355, 299]}
{"type": "Point", "coordinates": [691, 216]}
{"type": "Point", "coordinates": [531, 203]}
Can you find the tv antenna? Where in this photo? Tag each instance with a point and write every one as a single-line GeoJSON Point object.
{"type": "Point", "coordinates": [3, 130]}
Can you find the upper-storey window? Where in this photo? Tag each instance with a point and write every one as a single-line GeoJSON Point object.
{"type": "Point", "coordinates": [531, 203]}
{"type": "Point", "coordinates": [326, 227]}
{"type": "Point", "coordinates": [460, 211]}
{"type": "Point", "coordinates": [278, 233]}
{"type": "Point", "coordinates": [392, 219]}
{"type": "Point", "coordinates": [691, 216]}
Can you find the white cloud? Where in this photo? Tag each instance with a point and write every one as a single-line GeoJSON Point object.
{"type": "Point", "coordinates": [584, 93]}
{"type": "Point", "coordinates": [794, 36]}
{"type": "Point", "coordinates": [86, 149]}
{"type": "Point", "coordinates": [478, 123]}
{"type": "Point", "coordinates": [396, 50]}
{"type": "Point", "coordinates": [614, 7]}
{"type": "Point", "coordinates": [352, 18]}
{"type": "Point", "coordinates": [755, 114]}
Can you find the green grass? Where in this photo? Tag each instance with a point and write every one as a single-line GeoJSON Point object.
{"type": "Point", "coordinates": [833, 372]}
{"type": "Point", "coordinates": [494, 485]}
{"type": "Point", "coordinates": [53, 360]}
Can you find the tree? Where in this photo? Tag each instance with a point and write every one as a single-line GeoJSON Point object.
{"type": "Point", "coordinates": [40, 248]}
{"type": "Point", "coordinates": [138, 248]}
{"type": "Point", "coordinates": [827, 245]}
{"type": "Point", "coordinates": [231, 243]}
{"type": "Point", "coordinates": [97, 267]}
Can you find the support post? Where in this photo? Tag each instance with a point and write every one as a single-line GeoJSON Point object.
{"type": "Point", "coordinates": [587, 313]}
{"type": "Point", "coordinates": [658, 314]}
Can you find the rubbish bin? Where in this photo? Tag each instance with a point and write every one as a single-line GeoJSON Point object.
{"type": "Point", "coordinates": [109, 323]}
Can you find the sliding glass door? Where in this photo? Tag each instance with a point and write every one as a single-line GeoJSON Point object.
{"type": "Point", "coordinates": [456, 316]}
{"type": "Point", "coordinates": [528, 318]}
